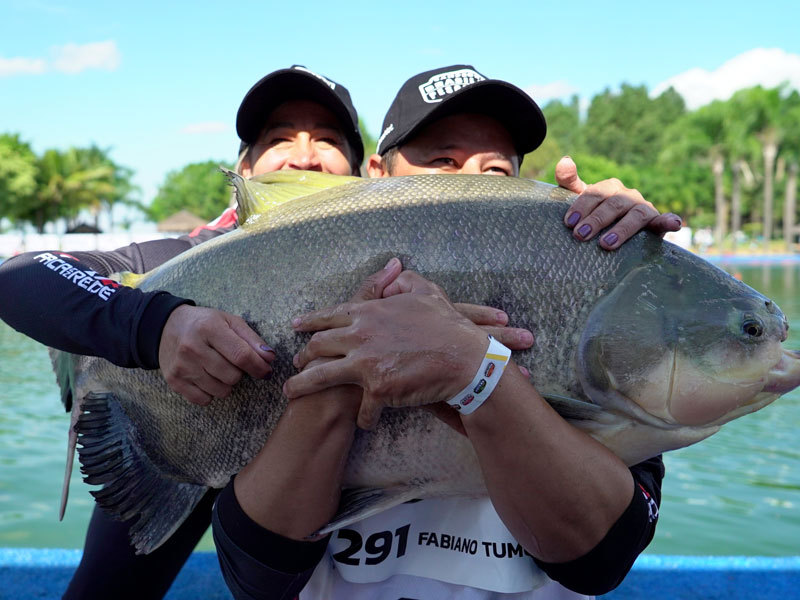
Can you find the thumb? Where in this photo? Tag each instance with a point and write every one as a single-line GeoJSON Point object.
{"type": "Point", "coordinates": [567, 176]}
{"type": "Point", "coordinates": [370, 411]}
{"type": "Point", "coordinates": [373, 286]}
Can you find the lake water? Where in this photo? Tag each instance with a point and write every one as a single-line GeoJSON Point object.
{"type": "Point", "coordinates": [737, 493]}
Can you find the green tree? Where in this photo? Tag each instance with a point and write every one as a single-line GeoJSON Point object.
{"type": "Point", "coordinates": [700, 136]}
{"type": "Point", "coordinates": [370, 142]}
{"type": "Point", "coordinates": [760, 109]}
{"type": "Point", "coordinates": [111, 184]}
{"type": "Point", "coordinates": [564, 125]}
{"type": "Point", "coordinates": [790, 154]}
{"type": "Point", "coordinates": [627, 127]}
{"type": "Point", "coordinates": [17, 175]}
{"type": "Point", "coordinates": [564, 136]}
{"type": "Point", "coordinates": [199, 188]}
{"type": "Point", "coordinates": [540, 164]}
{"type": "Point", "coordinates": [742, 151]}
{"type": "Point", "coordinates": [66, 183]}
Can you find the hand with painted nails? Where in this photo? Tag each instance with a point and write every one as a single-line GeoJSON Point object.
{"type": "Point", "coordinates": [410, 347]}
{"type": "Point", "coordinates": [609, 202]}
{"type": "Point", "coordinates": [204, 352]}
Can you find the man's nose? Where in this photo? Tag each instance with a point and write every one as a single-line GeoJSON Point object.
{"type": "Point", "coordinates": [304, 156]}
{"type": "Point", "coordinates": [473, 165]}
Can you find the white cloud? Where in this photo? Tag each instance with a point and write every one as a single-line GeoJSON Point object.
{"type": "Point", "coordinates": [70, 58]}
{"type": "Point", "coordinates": [21, 66]}
{"type": "Point", "coordinates": [768, 67]}
{"type": "Point", "coordinates": [551, 91]}
{"type": "Point", "coordinates": [74, 58]}
{"type": "Point", "coordinates": [205, 127]}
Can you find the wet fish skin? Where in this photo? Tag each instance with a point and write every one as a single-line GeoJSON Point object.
{"type": "Point", "coordinates": [486, 240]}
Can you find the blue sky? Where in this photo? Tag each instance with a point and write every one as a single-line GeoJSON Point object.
{"type": "Point", "coordinates": [159, 83]}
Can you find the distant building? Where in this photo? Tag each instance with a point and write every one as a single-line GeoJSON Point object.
{"type": "Point", "coordinates": [181, 222]}
{"type": "Point", "coordinates": [83, 228]}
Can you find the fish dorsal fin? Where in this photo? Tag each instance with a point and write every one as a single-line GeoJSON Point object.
{"type": "Point", "coordinates": [261, 193]}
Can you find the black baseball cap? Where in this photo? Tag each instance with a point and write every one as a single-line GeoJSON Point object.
{"type": "Point", "coordinates": [434, 94]}
{"type": "Point", "coordinates": [297, 83]}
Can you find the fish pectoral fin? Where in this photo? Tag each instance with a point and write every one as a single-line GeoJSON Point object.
{"type": "Point", "coordinates": [578, 411]}
{"type": "Point", "coordinates": [359, 503]}
{"type": "Point", "coordinates": [63, 367]}
{"type": "Point", "coordinates": [133, 486]}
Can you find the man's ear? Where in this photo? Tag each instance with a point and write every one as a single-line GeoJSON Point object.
{"type": "Point", "coordinates": [375, 166]}
{"type": "Point", "coordinates": [246, 168]}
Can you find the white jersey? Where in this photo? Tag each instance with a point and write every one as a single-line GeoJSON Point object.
{"type": "Point", "coordinates": [431, 550]}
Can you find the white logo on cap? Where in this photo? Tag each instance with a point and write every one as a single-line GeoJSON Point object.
{"type": "Point", "coordinates": [438, 86]}
{"type": "Point", "coordinates": [324, 80]}
{"type": "Point", "coordinates": [386, 132]}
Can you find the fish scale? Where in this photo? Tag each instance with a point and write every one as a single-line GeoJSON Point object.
{"type": "Point", "coordinates": [486, 240]}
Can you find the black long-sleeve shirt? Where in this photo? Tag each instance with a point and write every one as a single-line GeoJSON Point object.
{"type": "Point", "coordinates": [66, 301]}
{"type": "Point", "coordinates": [258, 564]}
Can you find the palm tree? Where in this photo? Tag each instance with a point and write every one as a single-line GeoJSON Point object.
{"type": "Point", "coordinates": [742, 150]}
{"type": "Point", "coordinates": [790, 152]}
{"type": "Point", "coordinates": [760, 109]}
{"type": "Point", "coordinates": [702, 136]}
{"type": "Point", "coordinates": [68, 182]}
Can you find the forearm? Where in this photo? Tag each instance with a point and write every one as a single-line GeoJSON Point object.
{"type": "Point", "coordinates": [292, 486]}
{"type": "Point", "coordinates": [605, 566]}
{"type": "Point", "coordinates": [258, 564]}
{"type": "Point", "coordinates": [66, 302]}
{"type": "Point", "coordinates": [557, 490]}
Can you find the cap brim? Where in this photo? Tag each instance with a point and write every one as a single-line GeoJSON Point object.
{"type": "Point", "coordinates": [511, 106]}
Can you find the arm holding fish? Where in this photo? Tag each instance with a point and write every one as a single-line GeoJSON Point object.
{"type": "Point", "coordinates": [263, 518]}
{"type": "Point", "coordinates": [63, 300]}
{"type": "Point", "coordinates": [66, 301]}
{"type": "Point", "coordinates": [534, 492]}
{"type": "Point", "coordinates": [609, 202]}
{"type": "Point", "coordinates": [567, 498]}
{"type": "Point", "coordinates": [289, 490]}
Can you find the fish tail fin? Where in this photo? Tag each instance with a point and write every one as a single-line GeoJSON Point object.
{"type": "Point", "coordinates": [133, 485]}
{"type": "Point", "coordinates": [359, 503]}
{"type": "Point", "coordinates": [72, 442]}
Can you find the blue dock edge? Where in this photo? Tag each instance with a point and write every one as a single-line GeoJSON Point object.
{"type": "Point", "coordinates": [43, 574]}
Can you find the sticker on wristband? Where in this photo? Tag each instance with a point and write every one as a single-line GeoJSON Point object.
{"type": "Point", "coordinates": [489, 373]}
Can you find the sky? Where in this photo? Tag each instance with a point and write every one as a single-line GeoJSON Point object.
{"type": "Point", "coordinates": [158, 84]}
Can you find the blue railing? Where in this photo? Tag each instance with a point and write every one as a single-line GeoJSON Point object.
{"type": "Point", "coordinates": [44, 573]}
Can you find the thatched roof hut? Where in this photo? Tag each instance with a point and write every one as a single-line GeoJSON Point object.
{"type": "Point", "coordinates": [83, 228]}
{"type": "Point", "coordinates": [181, 222]}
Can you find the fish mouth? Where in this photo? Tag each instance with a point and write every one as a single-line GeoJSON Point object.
{"type": "Point", "coordinates": [785, 375]}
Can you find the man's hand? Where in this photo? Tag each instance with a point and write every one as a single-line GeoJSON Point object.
{"type": "Point", "coordinates": [601, 204]}
{"type": "Point", "coordinates": [410, 348]}
{"type": "Point", "coordinates": [204, 352]}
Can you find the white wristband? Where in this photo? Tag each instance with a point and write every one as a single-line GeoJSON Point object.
{"type": "Point", "coordinates": [489, 373]}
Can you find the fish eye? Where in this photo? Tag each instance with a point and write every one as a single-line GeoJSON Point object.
{"type": "Point", "coordinates": [753, 327]}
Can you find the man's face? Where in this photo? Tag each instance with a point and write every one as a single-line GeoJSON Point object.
{"type": "Point", "coordinates": [461, 143]}
{"type": "Point", "coordinates": [300, 135]}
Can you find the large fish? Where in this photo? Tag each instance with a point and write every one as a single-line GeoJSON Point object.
{"type": "Point", "coordinates": [648, 348]}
